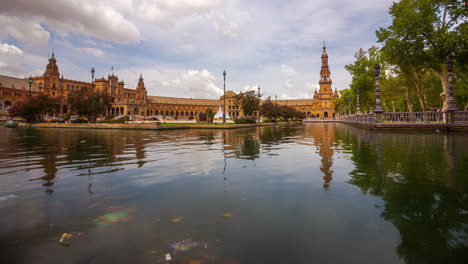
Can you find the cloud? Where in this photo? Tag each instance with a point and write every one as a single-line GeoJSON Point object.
{"type": "Point", "coordinates": [88, 17]}
{"type": "Point", "coordinates": [196, 84]}
{"type": "Point", "coordinates": [93, 51]}
{"type": "Point", "coordinates": [171, 11]}
{"type": "Point", "coordinates": [288, 70]}
{"type": "Point", "coordinates": [10, 60]}
{"type": "Point", "coordinates": [25, 31]}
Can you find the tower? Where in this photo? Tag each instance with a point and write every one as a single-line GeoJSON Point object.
{"type": "Point", "coordinates": [324, 99]}
{"type": "Point", "coordinates": [141, 90]}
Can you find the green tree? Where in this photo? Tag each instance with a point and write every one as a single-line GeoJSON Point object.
{"type": "Point", "coordinates": [423, 34]}
{"type": "Point", "coordinates": [35, 108]}
{"type": "Point", "coordinates": [249, 102]}
{"type": "Point", "coordinates": [269, 109]}
{"type": "Point", "coordinates": [362, 72]}
{"type": "Point", "coordinates": [210, 114]}
{"type": "Point", "coordinates": [89, 104]}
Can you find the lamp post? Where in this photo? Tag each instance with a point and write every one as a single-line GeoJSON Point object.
{"type": "Point", "coordinates": [378, 106]}
{"type": "Point", "coordinates": [224, 98]}
{"type": "Point", "coordinates": [276, 99]}
{"type": "Point", "coordinates": [92, 90]}
{"type": "Point", "coordinates": [30, 83]}
{"type": "Point", "coordinates": [451, 107]}
{"type": "Point", "coordinates": [358, 107]}
{"type": "Point", "coordinates": [258, 110]}
{"type": "Point", "coordinates": [40, 87]}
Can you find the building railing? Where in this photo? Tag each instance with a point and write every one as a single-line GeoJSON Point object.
{"type": "Point", "coordinates": [413, 117]}
{"type": "Point", "coordinates": [460, 117]}
{"type": "Point", "coordinates": [457, 117]}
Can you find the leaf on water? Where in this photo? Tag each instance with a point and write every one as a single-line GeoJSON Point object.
{"type": "Point", "coordinates": [227, 214]}
{"type": "Point", "coordinates": [176, 220]}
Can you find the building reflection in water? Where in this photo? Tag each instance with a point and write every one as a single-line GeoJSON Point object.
{"type": "Point", "coordinates": [324, 137]}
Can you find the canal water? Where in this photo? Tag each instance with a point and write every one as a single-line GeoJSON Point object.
{"type": "Point", "coordinates": [312, 193]}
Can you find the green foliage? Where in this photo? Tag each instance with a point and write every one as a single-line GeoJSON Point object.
{"type": "Point", "coordinates": [34, 108]}
{"type": "Point", "coordinates": [210, 114]}
{"type": "Point", "coordinates": [89, 104]}
{"type": "Point", "coordinates": [249, 102]}
{"type": "Point", "coordinates": [423, 34]}
{"type": "Point", "coordinates": [363, 77]}
{"type": "Point", "coordinates": [272, 111]}
{"type": "Point", "coordinates": [245, 120]}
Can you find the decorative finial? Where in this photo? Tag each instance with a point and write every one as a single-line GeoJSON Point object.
{"type": "Point", "coordinates": [53, 53]}
{"type": "Point", "coordinates": [324, 47]}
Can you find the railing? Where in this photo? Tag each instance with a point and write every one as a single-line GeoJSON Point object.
{"type": "Point", "coordinates": [457, 117]}
{"type": "Point", "coordinates": [362, 118]}
{"type": "Point", "coordinates": [460, 117]}
{"type": "Point", "coordinates": [413, 117]}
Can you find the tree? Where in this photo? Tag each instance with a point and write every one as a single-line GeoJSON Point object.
{"type": "Point", "coordinates": [362, 72]}
{"type": "Point", "coordinates": [249, 102]}
{"type": "Point", "coordinates": [89, 104]}
{"type": "Point", "coordinates": [269, 109]}
{"type": "Point", "coordinates": [423, 34]}
{"type": "Point", "coordinates": [34, 108]}
{"type": "Point", "coordinates": [210, 115]}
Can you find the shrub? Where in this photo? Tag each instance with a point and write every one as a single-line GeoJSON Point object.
{"type": "Point", "coordinates": [79, 121]}
{"type": "Point", "coordinates": [245, 120]}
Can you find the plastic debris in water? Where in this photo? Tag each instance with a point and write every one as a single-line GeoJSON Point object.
{"type": "Point", "coordinates": [168, 257]}
{"type": "Point", "coordinates": [114, 217]}
{"type": "Point", "coordinates": [67, 236]}
{"type": "Point", "coordinates": [177, 220]}
{"type": "Point", "coordinates": [184, 245]}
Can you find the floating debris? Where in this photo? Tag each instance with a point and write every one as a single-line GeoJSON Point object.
{"type": "Point", "coordinates": [184, 245]}
{"type": "Point", "coordinates": [227, 214]}
{"type": "Point", "coordinates": [115, 217]}
{"type": "Point", "coordinates": [91, 206]}
{"type": "Point", "coordinates": [168, 257]}
{"type": "Point", "coordinates": [67, 236]}
{"type": "Point", "coordinates": [177, 220]}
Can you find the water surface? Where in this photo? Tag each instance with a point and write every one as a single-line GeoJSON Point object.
{"type": "Point", "coordinates": [313, 193]}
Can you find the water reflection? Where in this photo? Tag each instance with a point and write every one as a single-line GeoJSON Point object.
{"type": "Point", "coordinates": [310, 189]}
{"type": "Point", "coordinates": [422, 179]}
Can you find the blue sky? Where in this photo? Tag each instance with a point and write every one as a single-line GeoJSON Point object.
{"type": "Point", "coordinates": [182, 46]}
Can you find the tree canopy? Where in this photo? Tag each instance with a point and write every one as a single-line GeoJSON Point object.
{"type": "Point", "coordinates": [34, 109]}
{"type": "Point", "coordinates": [89, 104]}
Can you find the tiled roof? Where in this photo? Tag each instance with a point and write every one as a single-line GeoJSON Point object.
{"type": "Point", "coordinates": [175, 100]}
{"type": "Point", "coordinates": [17, 83]}
{"type": "Point", "coordinates": [294, 102]}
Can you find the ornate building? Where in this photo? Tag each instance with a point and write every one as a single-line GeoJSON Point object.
{"type": "Point", "coordinates": [137, 103]}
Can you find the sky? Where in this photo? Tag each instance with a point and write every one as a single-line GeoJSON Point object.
{"type": "Point", "coordinates": [182, 47]}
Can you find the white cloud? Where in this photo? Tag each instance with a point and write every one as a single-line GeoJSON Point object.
{"type": "Point", "coordinates": [196, 84]}
{"type": "Point", "coordinates": [24, 30]}
{"type": "Point", "coordinates": [288, 70]}
{"type": "Point", "coordinates": [93, 51]}
{"type": "Point", "coordinates": [173, 11]}
{"type": "Point", "coordinates": [89, 17]}
{"type": "Point", "coordinates": [11, 58]}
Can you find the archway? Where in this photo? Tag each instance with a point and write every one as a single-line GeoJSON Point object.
{"type": "Point", "coordinates": [122, 110]}
{"type": "Point", "coordinates": [135, 111]}
{"type": "Point", "coordinates": [325, 114]}
{"type": "Point", "coordinates": [7, 105]}
{"type": "Point", "coordinates": [113, 111]}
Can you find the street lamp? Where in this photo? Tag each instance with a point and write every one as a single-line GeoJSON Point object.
{"type": "Point", "coordinates": [258, 110]}
{"type": "Point", "coordinates": [224, 98]}
{"type": "Point", "coordinates": [378, 106]}
{"type": "Point", "coordinates": [450, 100]}
{"type": "Point", "coordinates": [276, 99]}
{"type": "Point", "coordinates": [92, 90]}
{"type": "Point", "coordinates": [30, 83]}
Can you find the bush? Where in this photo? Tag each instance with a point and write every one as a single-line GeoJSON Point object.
{"type": "Point", "coordinates": [79, 121]}
{"type": "Point", "coordinates": [245, 120]}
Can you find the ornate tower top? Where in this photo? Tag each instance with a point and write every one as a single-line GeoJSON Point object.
{"type": "Point", "coordinates": [52, 68]}
{"type": "Point", "coordinates": [141, 83]}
